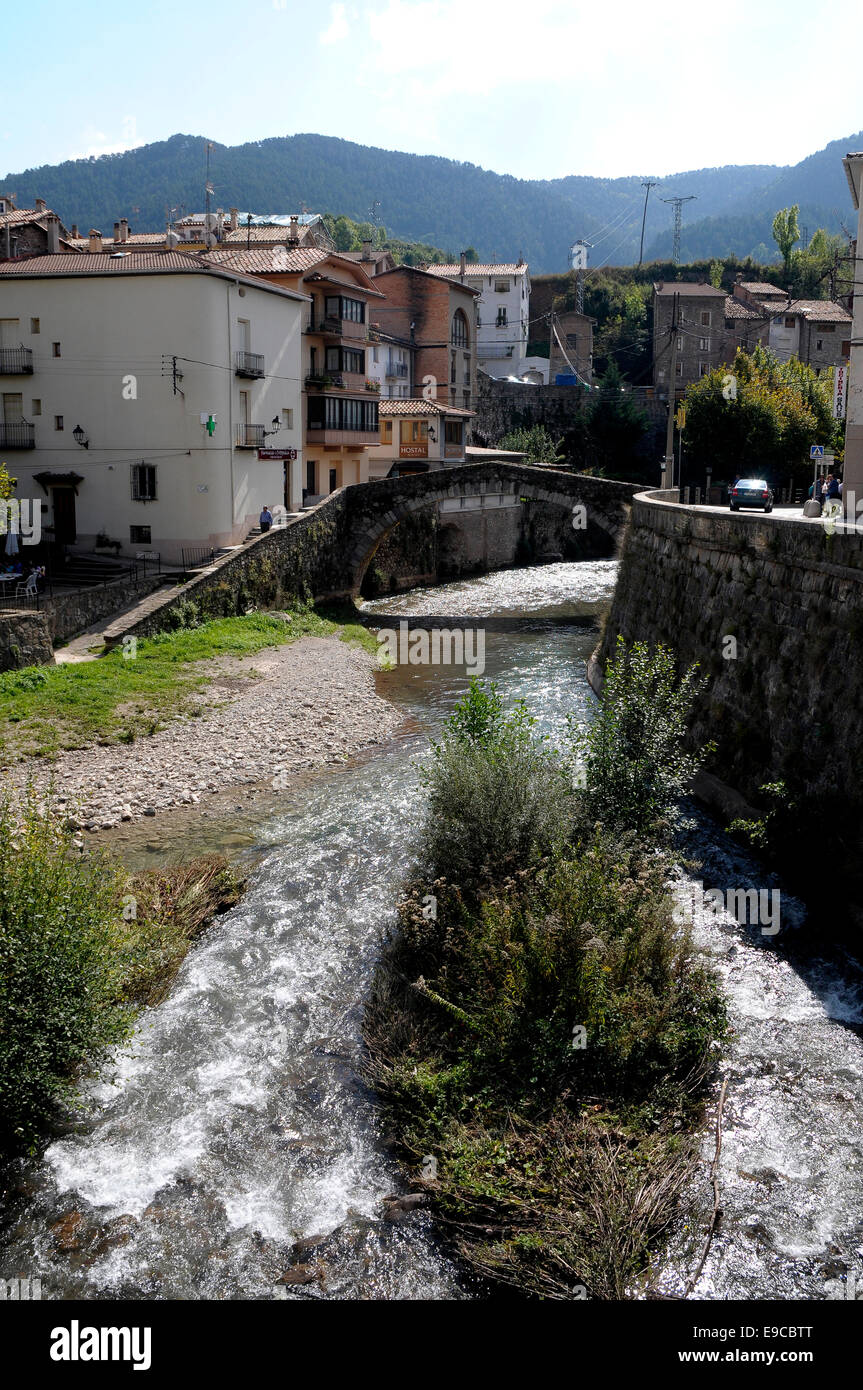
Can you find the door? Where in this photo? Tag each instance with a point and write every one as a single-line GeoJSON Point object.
{"type": "Point", "coordinates": [332, 480]}
{"type": "Point", "coordinates": [310, 477]}
{"type": "Point", "coordinates": [64, 515]}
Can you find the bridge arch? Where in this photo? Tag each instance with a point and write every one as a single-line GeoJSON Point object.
{"type": "Point", "coordinates": [377, 508]}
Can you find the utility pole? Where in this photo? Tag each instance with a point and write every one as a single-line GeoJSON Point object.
{"type": "Point", "coordinates": [678, 223]}
{"type": "Point", "coordinates": [647, 185]}
{"type": "Point", "coordinates": [668, 461]}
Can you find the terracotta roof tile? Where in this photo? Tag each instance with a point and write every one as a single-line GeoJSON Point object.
{"type": "Point", "coordinates": [760, 287]}
{"type": "Point", "coordinates": [819, 310]}
{"type": "Point", "coordinates": [686, 289]}
{"type": "Point", "coordinates": [736, 309]}
{"type": "Point", "coordinates": [418, 406]}
{"type": "Point", "coordinates": [453, 272]}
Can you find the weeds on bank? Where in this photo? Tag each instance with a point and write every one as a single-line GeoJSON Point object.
{"type": "Point", "coordinates": [540, 1029]}
{"type": "Point", "coordinates": [83, 944]}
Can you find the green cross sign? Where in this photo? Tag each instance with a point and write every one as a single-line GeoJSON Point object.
{"type": "Point", "coordinates": [211, 425]}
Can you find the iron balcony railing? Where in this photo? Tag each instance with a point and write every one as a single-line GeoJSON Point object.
{"type": "Point", "coordinates": [251, 436]}
{"type": "Point", "coordinates": [16, 361]}
{"type": "Point", "coordinates": [397, 369]}
{"type": "Point", "coordinates": [248, 364]}
{"type": "Point", "coordinates": [325, 379]}
{"type": "Point", "coordinates": [18, 436]}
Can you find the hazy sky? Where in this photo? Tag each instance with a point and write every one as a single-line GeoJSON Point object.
{"type": "Point", "coordinates": [536, 89]}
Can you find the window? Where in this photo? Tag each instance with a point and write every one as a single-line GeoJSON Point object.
{"type": "Point", "coordinates": [387, 431]}
{"type": "Point", "coordinates": [140, 535]}
{"type": "Point", "coordinates": [58, 422]}
{"type": "Point", "coordinates": [287, 419]}
{"type": "Point", "coordinates": [703, 344]}
{"type": "Point", "coordinates": [846, 349]}
{"type": "Point", "coordinates": [374, 354]}
{"type": "Point", "coordinates": [789, 320]}
{"type": "Point", "coordinates": [452, 367]}
{"type": "Point", "coordinates": [339, 413]}
{"type": "Point", "coordinates": [459, 336]}
{"type": "Point", "coordinates": [818, 345]}
{"type": "Point", "coordinates": [35, 406]}
{"type": "Point", "coordinates": [826, 328]}
{"type": "Point", "coordinates": [414, 431]}
{"type": "Point", "coordinates": [500, 321]}
{"type": "Point", "coordinates": [703, 368]}
{"type": "Point", "coordinates": [34, 325]}
{"type": "Point", "coordinates": [501, 286]}
{"type": "Point", "coordinates": [705, 318]}
{"type": "Point", "coordinates": [339, 307]}
{"type": "Point", "coordinates": [679, 344]}
{"type": "Point", "coordinates": [572, 340]}
{"type": "Point", "coordinates": [345, 360]}
{"type": "Point", "coordinates": [453, 431]}
{"type": "Point", "coordinates": [143, 482]}
{"type": "Point", "coordinates": [679, 369]}
{"type": "Point", "coordinates": [55, 349]}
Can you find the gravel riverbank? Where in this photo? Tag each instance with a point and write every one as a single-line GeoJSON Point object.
{"type": "Point", "coordinates": [261, 719]}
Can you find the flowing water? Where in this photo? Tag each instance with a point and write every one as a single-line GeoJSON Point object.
{"type": "Point", "coordinates": [238, 1124]}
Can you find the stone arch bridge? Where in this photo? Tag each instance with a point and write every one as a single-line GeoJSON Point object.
{"type": "Point", "coordinates": [324, 554]}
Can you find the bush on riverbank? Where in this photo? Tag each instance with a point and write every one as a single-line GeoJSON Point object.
{"type": "Point", "coordinates": [540, 1029]}
{"type": "Point", "coordinates": [81, 944]}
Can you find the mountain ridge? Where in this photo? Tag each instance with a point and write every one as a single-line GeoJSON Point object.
{"type": "Point", "coordinates": [445, 202]}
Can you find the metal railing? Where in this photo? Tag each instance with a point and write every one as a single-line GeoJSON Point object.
{"type": "Point", "coordinates": [325, 379]}
{"type": "Point", "coordinates": [248, 364]}
{"type": "Point", "coordinates": [196, 557]}
{"type": "Point", "coordinates": [16, 361]}
{"type": "Point", "coordinates": [17, 436]}
{"type": "Point", "coordinates": [397, 369]}
{"type": "Point", "coordinates": [251, 436]}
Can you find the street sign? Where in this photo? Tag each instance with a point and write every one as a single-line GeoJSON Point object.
{"type": "Point", "coordinates": [840, 391]}
{"type": "Point", "coordinates": [816, 451]}
{"type": "Point", "coordinates": [277, 453]}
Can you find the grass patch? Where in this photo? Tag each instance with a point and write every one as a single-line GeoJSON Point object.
{"type": "Point", "coordinates": [45, 709]}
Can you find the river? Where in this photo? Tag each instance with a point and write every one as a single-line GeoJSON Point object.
{"type": "Point", "coordinates": [238, 1124]}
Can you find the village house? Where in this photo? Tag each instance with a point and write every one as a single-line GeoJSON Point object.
{"type": "Point", "coordinates": [35, 231]}
{"type": "Point", "coordinates": [698, 312]}
{"type": "Point", "coordinates": [339, 396]}
{"type": "Point", "coordinates": [390, 362]}
{"type": "Point", "coordinates": [155, 400]}
{"type": "Point", "coordinates": [571, 347]}
{"type": "Point", "coordinates": [438, 317]}
{"type": "Point", "coordinates": [503, 311]}
{"type": "Point", "coordinates": [418, 436]}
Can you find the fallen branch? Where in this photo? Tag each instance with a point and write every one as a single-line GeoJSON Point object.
{"type": "Point", "coordinates": [711, 1229]}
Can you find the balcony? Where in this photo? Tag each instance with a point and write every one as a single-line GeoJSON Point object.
{"type": "Point", "coordinates": [325, 381]}
{"type": "Point", "coordinates": [396, 370]}
{"type": "Point", "coordinates": [16, 362]}
{"type": "Point", "coordinates": [330, 436]}
{"type": "Point", "coordinates": [251, 436]}
{"type": "Point", "coordinates": [18, 436]}
{"type": "Point", "coordinates": [250, 364]}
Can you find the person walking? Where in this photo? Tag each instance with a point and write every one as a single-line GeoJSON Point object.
{"type": "Point", "coordinates": [832, 484]}
{"type": "Point", "coordinates": [266, 518]}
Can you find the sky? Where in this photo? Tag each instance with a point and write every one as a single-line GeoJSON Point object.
{"type": "Point", "coordinates": [536, 89]}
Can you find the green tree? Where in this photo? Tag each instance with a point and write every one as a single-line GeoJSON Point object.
{"type": "Point", "coordinates": [617, 425]}
{"type": "Point", "coordinates": [716, 269]}
{"type": "Point", "coordinates": [7, 482]}
{"type": "Point", "coordinates": [536, 443]}
{"type": "Point", "coordinates": [786, 233]}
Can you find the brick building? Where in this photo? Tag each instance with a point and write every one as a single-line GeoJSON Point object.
{"type": "Point", "coordinates": [33, 231]}
{"type": "Point", "coordinates": [438, 316]}
{"type": "Point", "coordinates": [571, 346]}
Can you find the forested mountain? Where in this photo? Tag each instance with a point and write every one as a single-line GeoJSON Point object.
{"type": "Point", "coordinates": [423, 198]}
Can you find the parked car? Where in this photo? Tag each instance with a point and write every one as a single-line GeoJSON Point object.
{"type": "Point", "coordinates": [751, 492]}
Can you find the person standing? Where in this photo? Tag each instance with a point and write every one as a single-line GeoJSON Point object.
{"type": "Point", "coordinates": [266, 518]}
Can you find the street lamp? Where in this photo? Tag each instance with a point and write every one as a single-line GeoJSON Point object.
{"type": "Point", "coordinates": [80, 437]}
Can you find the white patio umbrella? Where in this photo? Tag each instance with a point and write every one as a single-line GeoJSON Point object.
{"type": "Point", "coordinates": [11, 543]}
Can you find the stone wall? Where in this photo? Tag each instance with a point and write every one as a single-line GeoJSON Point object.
{"type": "Point", "coordinates": [24, 641]}
{"type": "Point", "coordinates": [503, 406]}
{"type": "Point", "coordinates": [69, 614]}
{"type": "Point", "coordinates": [784, 696]}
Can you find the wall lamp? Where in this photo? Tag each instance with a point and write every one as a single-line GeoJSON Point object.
{"type": "Point", "coordinates": [80, 437]}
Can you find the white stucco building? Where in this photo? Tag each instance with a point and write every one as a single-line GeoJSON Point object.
{"type": "Point", "coordinates": [149, 397]}
{"type": "Point", "coordinates": [503, 311]}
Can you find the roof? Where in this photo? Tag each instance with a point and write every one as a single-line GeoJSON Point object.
{"type": "Point", "coordinates": [19, 215]}
{"type": "Point", "coordinates": [736, 309]}
{"type": "Point", "coordinates": [687, 289]}
{"type": "Point", "coordinates": [81, 243]}
{"type": "Point", "coordinates": [761, 287]}
{"type": "Point", "coordinates": [819, 310]}
{"type": "Point", "coordinates": [132, 263]}
{"type": "Point", "coordinates": [418, 406]}
{"type": "Point", "coordinates": [415, 270]}
{"type": "Point", "coordinates": [274, 260]}
{"type": "Point", "coordinates": [453, 272]}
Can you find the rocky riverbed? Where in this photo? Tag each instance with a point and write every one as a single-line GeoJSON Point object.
{"type": "Point", "coordinates": [261, 720]}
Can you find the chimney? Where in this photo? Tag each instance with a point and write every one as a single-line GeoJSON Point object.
{"type": "Point", "coordinates": [234, 215]}
{"type": "Point", "coordinates": [95, 247]}
{"type": "Point", "coordinates": [52, 230]}
{"type": "Point", "coordinates": [74, 231]}
{"type": "Point", "coordinates": [294, 231]}
{"type": "Point", "coordinates": [367, 250]}
{"type": "Point", "coordinates": [124, 229]}
{"type": "Point", "coordinates": [41, 205]}
{"type": "Point", "coordinates": [116, 231]}
{"type": "Point", "coordinates": [462, 263]}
